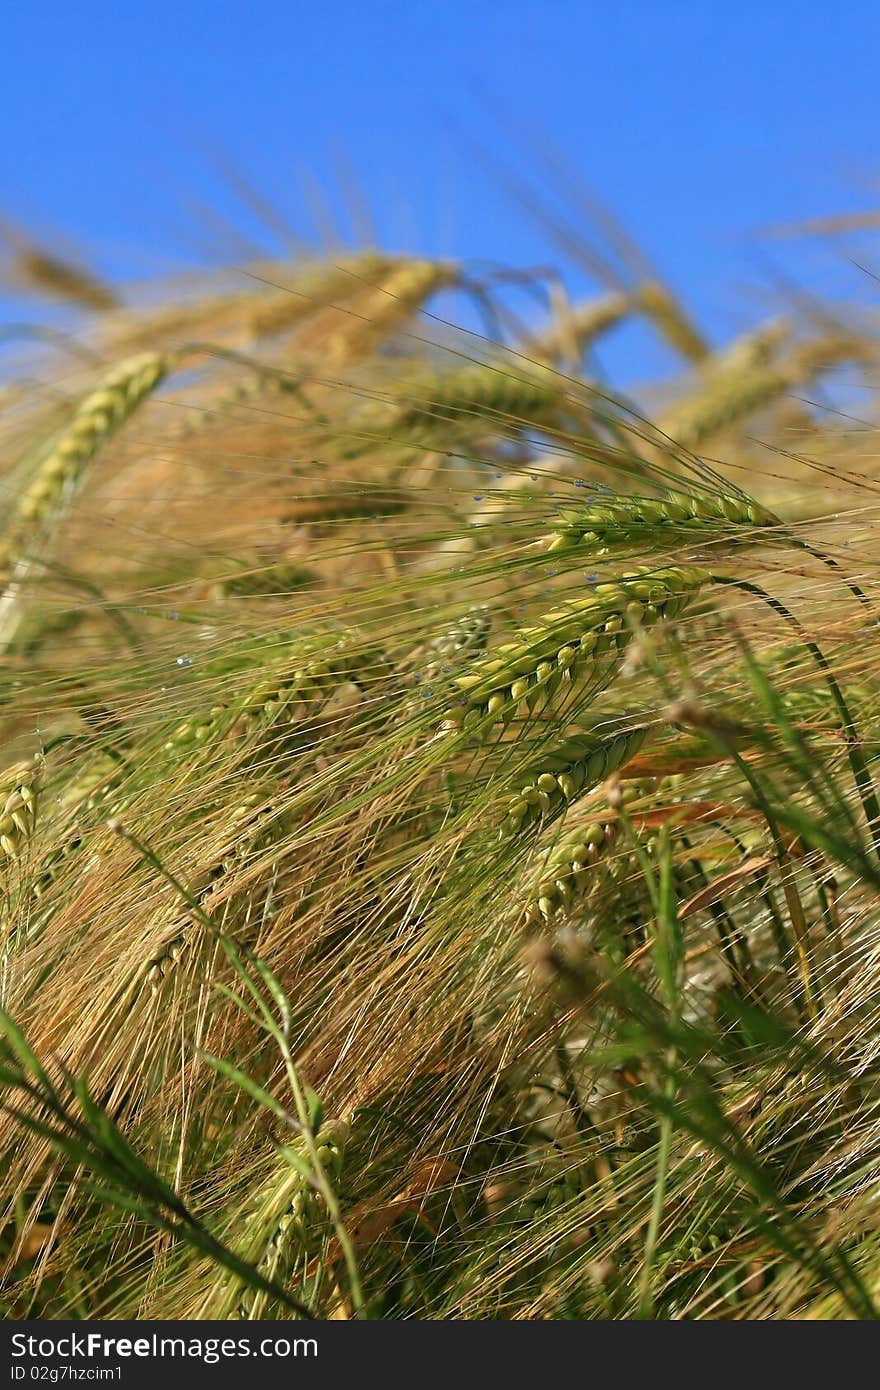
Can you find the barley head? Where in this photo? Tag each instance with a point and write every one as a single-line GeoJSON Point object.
{"type": "Point", "coordinates": [567, 641]}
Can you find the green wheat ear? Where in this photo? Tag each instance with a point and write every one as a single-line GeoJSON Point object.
{"type": "Point", "coordinates": [18, 809]}
{"type": "Point", "coordinates": [568, 641]}
{"type": "Point", "coordinates": [661, 521]}
{"type": "Point", "coordinates": [481, 396]}
{"type": "Point", "coordinates": [399, 294]}
{"type": "Point", "coordinates": [285, 695]}
{"type": "Point", "coordinates": [287, 1222]}
{"type": "Point", "coordinates": [564, 771]}
{"type": "Point", "coordinates": [738, 388]}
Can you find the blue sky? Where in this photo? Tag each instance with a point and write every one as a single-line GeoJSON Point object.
{"type": "Point", "coordinates": [695, 122]}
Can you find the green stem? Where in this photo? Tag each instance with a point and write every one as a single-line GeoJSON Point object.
{"type": "Point", "coordinates": [646, 1298]}
{"type": "Point", "coordinates": [833, 564]}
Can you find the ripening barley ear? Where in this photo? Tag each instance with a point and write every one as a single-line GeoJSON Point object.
{"type": "Point", "coordinates": [589, 859]}
{"type": "Point", "coordinates": [569, 642]}
{"type": "Point", "coordinates": [279, 311]}
{"type": "Point", "coordinates": [401, 292]}
{"type": "Point", "coordinates": [102, 412]}
{"type": "Point", "coordinates": [98, 417]}
{"type": "Point", "coordinates": [289, 298]}
{"type": "Point", "coordinates": [281, 699]}
{"type": "Point", "coordinates": [35, 270]}
{"type": "Point", "coordinates": [252, 829]}
{"type": "Point", "coordinates": [577, 327]}
{"type": "Point", "coordinates": [564, 771]}
{"type": "Point", "coordinates": [664, 521]}
{"type": "Point", "coordinates": [18, 812]}
{"type": "Point", "coordinates": [477, 397]}
{"type": "Point", "coordinates": [569, 871]}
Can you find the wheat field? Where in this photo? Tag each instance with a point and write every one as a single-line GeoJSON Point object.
{"type": "Point", "coordinates": [439, 829]}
